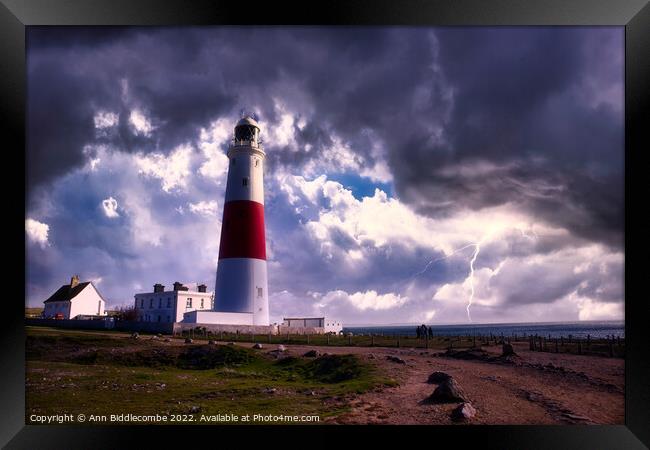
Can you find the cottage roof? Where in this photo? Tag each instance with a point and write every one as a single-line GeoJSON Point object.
{"type": "Point", "coordinates": [67, 293]}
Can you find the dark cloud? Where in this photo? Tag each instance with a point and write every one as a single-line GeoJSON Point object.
{"type": "Point", "coordinates": [440, 99]}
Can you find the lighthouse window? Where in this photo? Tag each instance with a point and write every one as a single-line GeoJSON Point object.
{"type": "Point", "coordinates": [245, 181]}
{"type": "Point", "coordinates": [260, 292]}
{"type": "Point", "coordinates": [257, 161]}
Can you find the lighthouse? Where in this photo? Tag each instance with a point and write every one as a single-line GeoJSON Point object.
{"type": "Point", "coordinates": [241, 285]}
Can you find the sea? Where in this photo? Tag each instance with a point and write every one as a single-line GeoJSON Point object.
{"type": "Point", "coordinates": [595, 329]}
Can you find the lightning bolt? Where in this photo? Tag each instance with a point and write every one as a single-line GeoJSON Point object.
{"type": "Point", "coordinates": [477, 248]}
{"type": "Point", "coordinates": [472, 261]}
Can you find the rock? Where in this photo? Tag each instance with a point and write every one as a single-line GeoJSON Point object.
{"type": "Point", "coordinates": [159, 335]}
{"type": "Point", "coordinates": [395, 359]}
{"type": "Point", "coordinates": [195, 409]}
{"type": "Point", "coordinates": [231, 343]}
{"type": "Point", "coordinates": [154, 337]}
{"type": "Point", "coordinates": [188, 341]}
{"type": "Point", "coordinates": [168, 340]}
{"type": "Point", "coordinates": [438, 377]}
{"type": "Point", "coordinates": [212, 342]}
{"type": "Point", "coordinates": [464, 411]}
{"type": "Point", "coordinates": [257, 346]}
{"type": "Point", "coordinates": [448, 391]}
{"type": "Point", "coordinates": [507, 350]}
{"type": "Point", "coordinates": [312, 354]}
{"type": "Point", "coordinates": [271, 390]}
{"type": "Point", "coordinates": [135, 335]}
{"type": "Point", "coordinates": [282, 348]}
{"type": "Point", "coordinates": [371, 356]}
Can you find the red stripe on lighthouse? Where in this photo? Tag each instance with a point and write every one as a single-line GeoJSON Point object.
{"type": "Point", "coordinates": [242, 232]}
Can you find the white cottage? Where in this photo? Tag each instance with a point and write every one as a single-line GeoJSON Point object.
{"type": "Point", "coordinates": [74, 299]}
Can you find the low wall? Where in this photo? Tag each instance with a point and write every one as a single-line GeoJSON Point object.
{"type": "Point", "coordinates": [171, 328]}
{"type": "Point", "coordinates": [247, 329]}
{"type": "Point", "coordinates": [71, 324]}
{"type": "Point", "coordinates": [145, 327]}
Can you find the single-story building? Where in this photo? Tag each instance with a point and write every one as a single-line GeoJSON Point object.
{"type": "Point", "coordinates": [329, 325]}
{"type": "Point", "coordinates": [74, 299]}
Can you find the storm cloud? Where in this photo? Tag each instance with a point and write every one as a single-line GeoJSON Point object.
{"type": "Point", "coordinates": [127, 129]}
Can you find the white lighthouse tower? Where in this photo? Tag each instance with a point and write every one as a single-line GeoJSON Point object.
{"type": "Point", "coordinates": [241, 285]}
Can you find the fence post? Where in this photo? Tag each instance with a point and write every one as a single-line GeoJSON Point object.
{"type": "Point", "coordinates": [611, 348]}
{"type": "Point", "coordinates": [307, 338]}
{"type": "Point", "coordinates": [328, 339]}
{"type": "Point", "coordinates": [397, 341]}
{"type": "Point", "coordinates": [372, 340]}
{"type": "Point", "coordinates": [349, 339]}
{"type": "Point", "coordinates": [579, 348]}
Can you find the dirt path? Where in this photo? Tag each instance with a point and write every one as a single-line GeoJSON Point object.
{"type": "Point", "coordinates": [540, 388]}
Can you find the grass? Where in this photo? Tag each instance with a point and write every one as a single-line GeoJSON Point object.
{"type": "Point", "coordinates": [101, 374]}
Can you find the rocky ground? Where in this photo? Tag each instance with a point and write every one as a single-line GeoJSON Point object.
{"type": "Point", "coordinates": [529, 388]}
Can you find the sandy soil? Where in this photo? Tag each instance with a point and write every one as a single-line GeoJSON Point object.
{"type": "Point", "coordinates": [538, 388]}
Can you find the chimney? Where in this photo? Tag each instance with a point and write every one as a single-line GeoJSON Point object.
{"type": "Point", "coordinates": [178, 286]}
{"type": "Point", "coordinates": [202, 288]}
{"type": "Point", "coordinates": [74, 281]}
{"type": "Point", "coordinates": [158, 287]}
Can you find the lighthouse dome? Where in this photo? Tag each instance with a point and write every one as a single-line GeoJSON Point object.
{"type": "Point", "coordinates": [248, 121]}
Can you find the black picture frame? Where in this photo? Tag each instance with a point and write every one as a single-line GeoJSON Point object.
{"type": "Point", "coordinates": [634, 15]}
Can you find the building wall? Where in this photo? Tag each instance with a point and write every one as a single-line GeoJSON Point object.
{"type": "Point", "coordinates": [170, 305]}
{"type": "Point", "coordinates": [52, 308]}
{"type": "Point", "coordinates": [333, 326]}
{"type": "Point", "coordinates": [214, 317]}
{"type": "Point", "coordinates": [87, 302]}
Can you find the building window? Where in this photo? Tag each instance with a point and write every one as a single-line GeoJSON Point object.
{"type": "Point", "coordinates": [201, 303]}
{"type": "Point", "coordinates": [260, 292]}
{"type": "Point", "coordinates": [160, 303]}
{"type": "Point", "coordinates": [169, 319]}
{"type": "Point", "coordinates": [158, 318]}
{"type": "Point", "coordinates": [141, 303]}
{"type": "Point", "coordinates": [244, 181]}
{"type": "Point", "coordinates": [189, 303]}
{"type": "Point", "coordinates": [169, 302]}
{"type": "Point", "coordinates": [150, 303]}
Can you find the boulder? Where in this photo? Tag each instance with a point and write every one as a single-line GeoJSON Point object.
{"type": "Point", "coordinates": [135, 335]}
{"type": "Point", "coordinates": [257, 346]}
{"type": "Point", "coordinates": [168, 340]}
{"type": "Point", "coordinates": [195, 409]}
{"type": "Point", "coordinates": [282, 348]}
{"type": "Point", "coordinates": [462, 412]}
{"type": "Point", "coordinates": [395, 359]}
{"type": "Point", "coordinates": [212, 342]}
{"type": "Point", "coordinates": [312, 354]}
{"type": "Point", "coordinates": [438, 377]}
{"type": "Point", "coordinates": [448, 391]}
{"type": "Point", "coordinates": [507, 350]}
{"type": "Point", "coordinates": [271, 390]}
{"type": "Point", "coordinates": [188, 340]}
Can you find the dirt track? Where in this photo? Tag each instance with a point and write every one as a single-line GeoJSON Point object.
{"type": "Point", "coordinates": [538, 388]}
